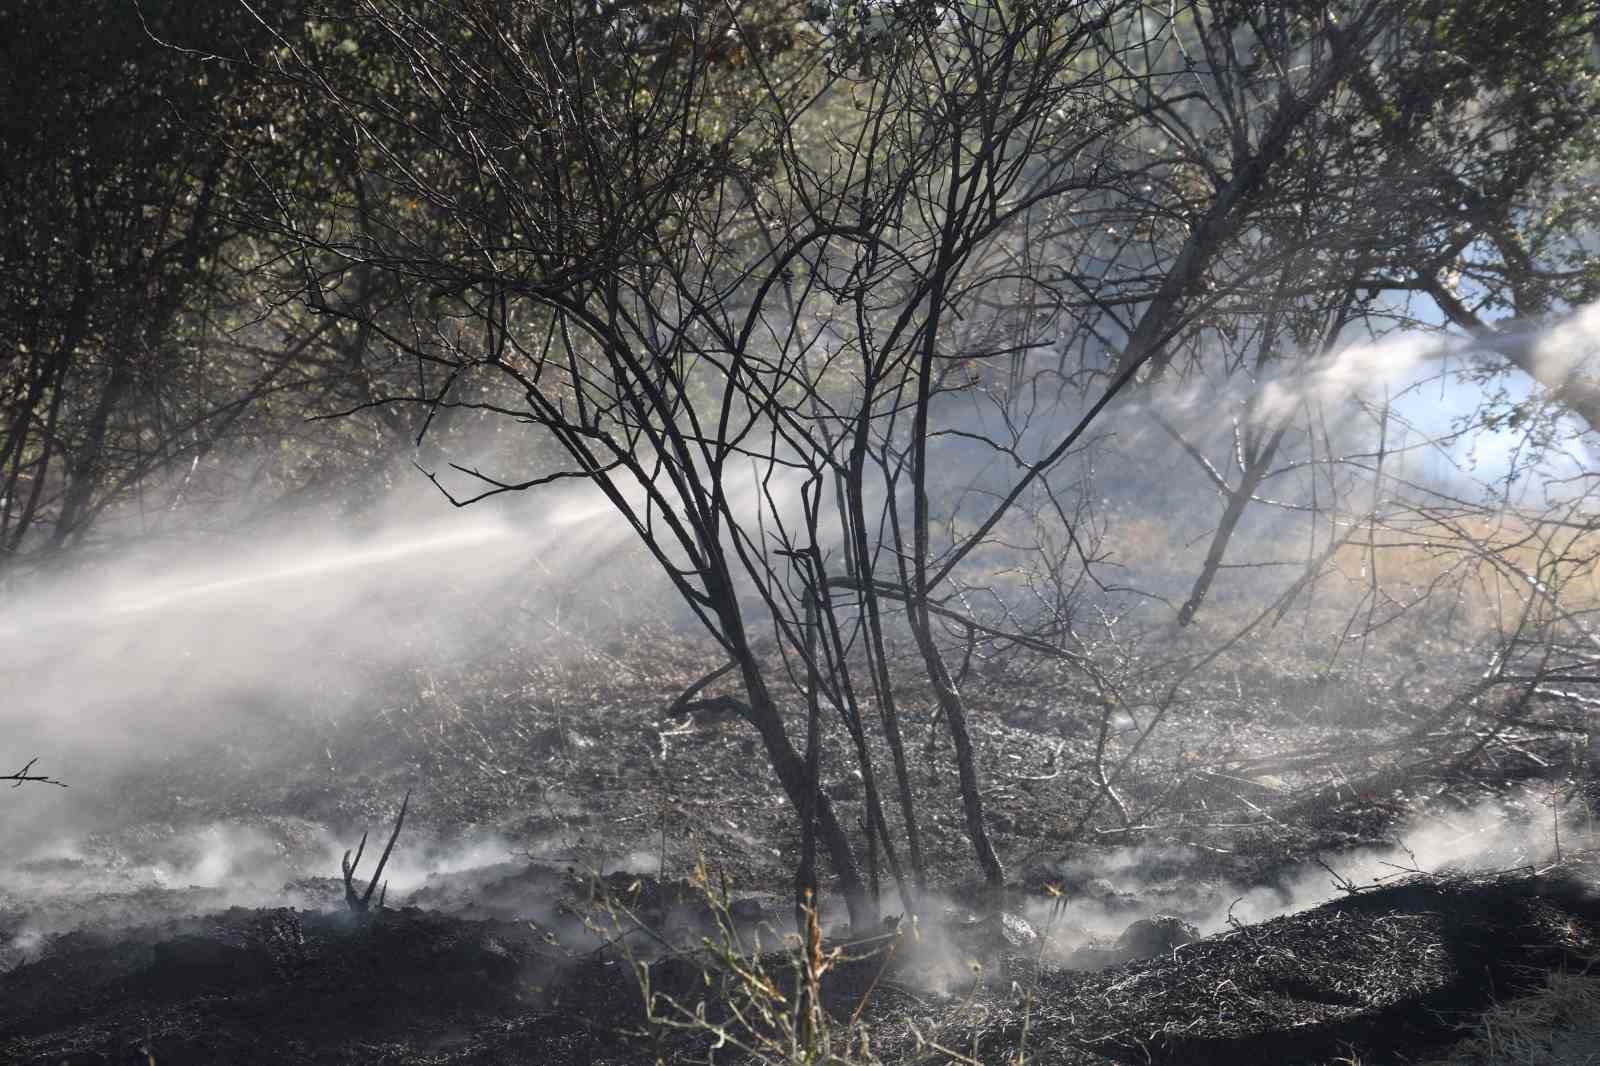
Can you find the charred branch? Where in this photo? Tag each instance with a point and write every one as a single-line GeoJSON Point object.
{"type": "Point", "coordinates": [25, 776]}
{"type": "Point", "coordinates": [361, 903]}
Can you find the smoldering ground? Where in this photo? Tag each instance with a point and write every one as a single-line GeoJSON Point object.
{"type": "Point", "coordinates": [1101, 889]}
{"type": "Point", "coordinates": [214, 649]}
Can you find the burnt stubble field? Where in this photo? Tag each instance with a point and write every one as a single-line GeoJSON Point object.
{"type": "Point", "coordinates": [1300, 875]}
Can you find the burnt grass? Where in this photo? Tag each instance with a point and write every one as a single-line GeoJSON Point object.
{"type": "Point", "coordinates": [625, 830]}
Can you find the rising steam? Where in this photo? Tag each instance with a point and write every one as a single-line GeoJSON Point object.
{"type": "Point", "coordinates": [147, 656]}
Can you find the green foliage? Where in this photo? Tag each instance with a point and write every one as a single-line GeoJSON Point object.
{"type": "Point", "coordinates": [112, 196]}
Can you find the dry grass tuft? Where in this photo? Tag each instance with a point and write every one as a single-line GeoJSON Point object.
{"type": "Point", "coordinates": [1559, 1025]}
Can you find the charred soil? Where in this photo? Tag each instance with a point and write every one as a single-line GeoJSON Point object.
{"type": "Point", "coordinates": [569, 835]}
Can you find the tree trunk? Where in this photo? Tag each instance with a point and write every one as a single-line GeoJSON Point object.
{"type": "Point", "coordinates": [791, 770]}
{"type": "Point", "coordinates": [955, 717]}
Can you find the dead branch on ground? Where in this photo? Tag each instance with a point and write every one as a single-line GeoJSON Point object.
{"type": "Point", "coordinates": [19, 777]}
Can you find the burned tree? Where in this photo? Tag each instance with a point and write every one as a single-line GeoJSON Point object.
{"type": "Point", "coordinates": [753, 272]}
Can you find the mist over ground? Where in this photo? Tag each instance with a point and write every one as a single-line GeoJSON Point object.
{"type": "Point", "coordinates": [221, 645]}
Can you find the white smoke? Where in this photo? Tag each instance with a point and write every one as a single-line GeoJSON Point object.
{"type": "Point", "coordinates": [1528, 828]}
